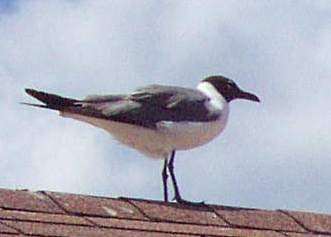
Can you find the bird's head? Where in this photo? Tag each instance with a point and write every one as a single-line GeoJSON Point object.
{"type": "Point", "coordinates": [229, 89]}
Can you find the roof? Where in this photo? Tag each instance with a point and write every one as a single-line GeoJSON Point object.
{"type": "Point", "coordinates": [42, 213]}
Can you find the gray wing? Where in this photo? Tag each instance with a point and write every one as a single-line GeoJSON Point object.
{"type": "Point", "coordinates": [149, 105]}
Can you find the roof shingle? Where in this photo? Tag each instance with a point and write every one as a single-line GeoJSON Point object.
{"type": "Point", "coordinates": [46, 214]}
{"type": "Point", "coordinates": [259, 219]}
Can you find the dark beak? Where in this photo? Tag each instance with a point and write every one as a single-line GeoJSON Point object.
{"type": "Point", "coordinates": [247, 96]}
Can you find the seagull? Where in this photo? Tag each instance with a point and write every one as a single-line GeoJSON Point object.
{"type": "Point", "coordinates": [156, 120]}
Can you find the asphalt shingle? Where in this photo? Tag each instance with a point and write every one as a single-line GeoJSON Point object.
{"type": "Point", "coordinates": [314, 223]}
{"type": "Point", "coordinates": [27, 200]}
{"type": "Point", "coordinates": [172, 212]}
{"type": "Point", "coordinates": [50, 214]}
{"type": "Point", "coordinates": [259, 219]}
{"type": "Point", "coordinates": [96, 206]}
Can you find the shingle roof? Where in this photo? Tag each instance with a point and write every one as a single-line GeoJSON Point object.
{"type": "Point", "coordinates": [26, 213]}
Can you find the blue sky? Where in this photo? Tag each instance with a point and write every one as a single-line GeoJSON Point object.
{"type": "Point", "coordinates": [274, 155]}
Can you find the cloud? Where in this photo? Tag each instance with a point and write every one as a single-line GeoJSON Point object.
{"type": "Point", "coordinates": [280, 51]}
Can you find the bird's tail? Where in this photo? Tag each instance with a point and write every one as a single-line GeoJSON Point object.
{"type": "Point", "coordinates": [51, 101]}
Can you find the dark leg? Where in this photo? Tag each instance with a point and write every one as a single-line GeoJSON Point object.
{"type": "Point", "coordinates": [178, 197]}
{"type": "Point", "coordinates": [164, 179]}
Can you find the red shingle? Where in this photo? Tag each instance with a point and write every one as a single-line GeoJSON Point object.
{"type": "Point", "coordinates": [161, 211]}
{"type": "Point", "coordinates": [291, 234]}
{"type": "Point", "coordinates": [44, 229]}
{"type": "Point", "coordinates": [11, 235]}
{"type": "Point", "coordinates": [96, 206]}
{"type": "Point", "coordinates": [7, 230]}
{"type": "Point", "coordinates": [42, 217]}
{"type": "Point", "coordinates": [317, 223]}
{"type": "Point", "coordinates": [176, 228]}
{"type": "Point", "coordinates": [133, 233]}
{"type": "Point", "coordinates": [260, 219]}
{"type": "Point", "coordinates": [27, 200]}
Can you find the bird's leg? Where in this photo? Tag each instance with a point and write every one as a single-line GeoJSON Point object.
{"type": "Point", "coordinates": [173, 178]}
{"type": "Point", "coordinates": [178, 197]}
{"type": "Point", "coordinates": [164, 179]}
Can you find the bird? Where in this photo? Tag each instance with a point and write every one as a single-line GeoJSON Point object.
{"type": "Point", "coordinates": [156, 120]}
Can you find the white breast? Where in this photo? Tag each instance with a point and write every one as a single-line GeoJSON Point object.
{"type": "Point", "coordinates": [188, 135]}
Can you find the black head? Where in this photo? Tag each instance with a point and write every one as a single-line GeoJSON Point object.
{"type": "Point", "coordinates": [229, 89]}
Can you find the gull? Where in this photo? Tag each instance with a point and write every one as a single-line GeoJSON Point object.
{"type": "Point", "coordinates": [156, 120]}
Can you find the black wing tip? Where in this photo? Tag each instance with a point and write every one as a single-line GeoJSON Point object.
{"type": "Point", "coordinates": [39, 95]}
{"type": "Point", "coordinates": [51, 101]}
{"type": "Point", "coordinates": [34, 105]}
{"type": "Point", "coordinates": [33, 93]}
{"type": "Point", "coordinates": [30, 91]}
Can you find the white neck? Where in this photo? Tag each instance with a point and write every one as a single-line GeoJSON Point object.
{"type": "Point", "coordinates": [216, 98]}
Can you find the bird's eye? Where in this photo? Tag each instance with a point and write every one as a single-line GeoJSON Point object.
{"type": "Point", "coordinates": [231, 84]}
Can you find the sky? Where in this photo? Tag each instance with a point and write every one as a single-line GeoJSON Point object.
{"type": "Point", "coordinates": [272, 155]}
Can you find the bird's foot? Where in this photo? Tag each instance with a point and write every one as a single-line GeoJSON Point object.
{"type": "Point", "coordinates": [180, 200]}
